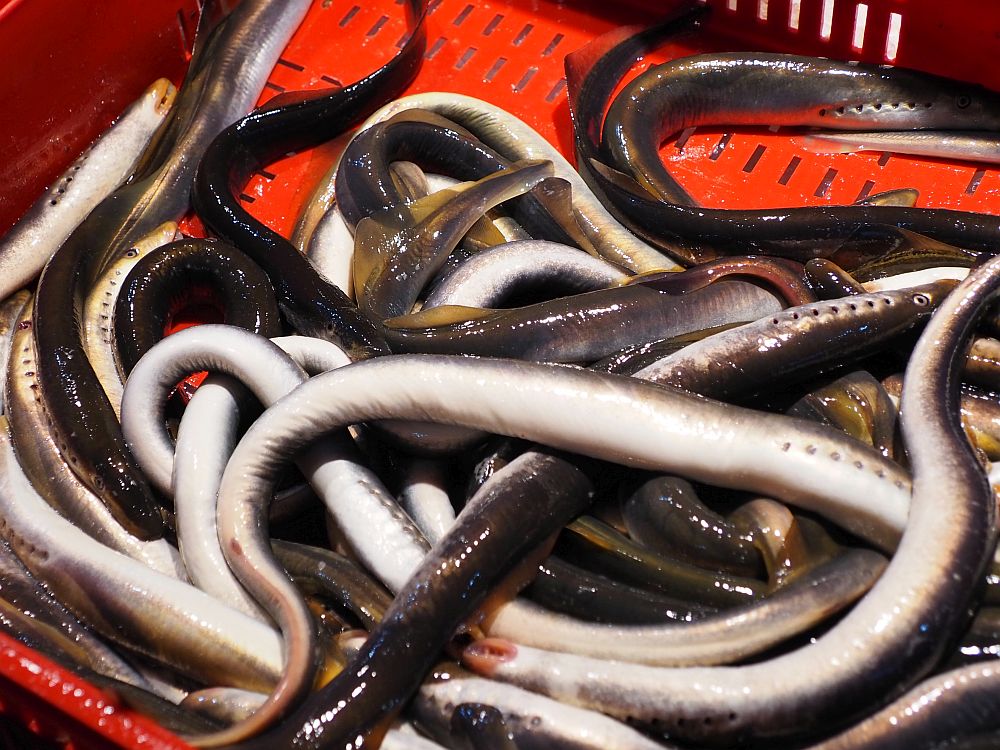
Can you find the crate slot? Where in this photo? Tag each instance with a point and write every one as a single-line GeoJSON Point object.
{"type": "Point", "coordinates": [435, 48]}
{"type": "Point", "coordinates": [892, 37]}
{"type": "Point", "coordinates": [977, 178]}
{"type": "Point", "coordinates": [755, 157]}
{"type": "Point", "coordinates": [824, 186]}
{"type": "Point", "coordinates": [525, 79]}
{"type": "Point", "coordinates": [793, 164]}
{"type": "Point", "coordinates": [185, 34]}
{"type": "Point", "coordinates": [552, 45]}
{"type": "Point", "coordinates": [556, 90]}
{"type": "Point", "coordinates": [460, 18]}
{"type": "Point", "coordinates": [492, 25]}
{"type": "Point", "coordinates": [464, 59]}
{"type": "Point", "coordinates": [865, 191]}
{"type": "Point", "coordinates": [377, 26]}
{"type": "Point", "coordinates": [794, 10]}
{"type": "Point", "coordinates": [522, 34]}
{"type": "Point", "coordinates": [682, 139]}
{"type": "Point", "coordinates": [860, 23]}
{"type": "Point", "coordinates": [494, 69]}
{"type": "Point", "coordinates": [720, 146]}
{"type": "Point", "coordinates": [348, 16]}
{"type": "Point", "coordinates": [826, 22]}
{"type": "Point", "coordinates": [762, 10]}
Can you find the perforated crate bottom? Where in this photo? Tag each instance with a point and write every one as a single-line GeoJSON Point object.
{"type": "Point", "coordinates": [511, 54]}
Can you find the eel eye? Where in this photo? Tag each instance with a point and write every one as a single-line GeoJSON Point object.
{"type": "Point", "coordinates": [962, 101]}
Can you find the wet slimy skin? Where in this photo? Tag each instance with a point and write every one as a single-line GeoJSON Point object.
{"type": "Point", "coordinates": [84, 423]}
{"type": "Point", "coordinates": [800, 339]}
{"type": "Point", "coordinates": [892, 637]}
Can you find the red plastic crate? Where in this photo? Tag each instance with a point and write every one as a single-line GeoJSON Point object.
{"type": "Point", "coordinates": [76, 64]}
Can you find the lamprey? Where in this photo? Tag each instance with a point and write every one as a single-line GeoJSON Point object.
{"type": "Point", "coordinates": [563, 587]}
{"type": "Point", "coordinates": [171, 621]}
{"type": "Point", "coordinates": [805, 91]}
{"type": "Point", "coordinates": [397, 251]}
{"type": "Point", "coordinates": [366, 181]}
{"type": "Point", "coordinates": [514, 140]}
{"type": "Point", "coordinates": [580, 328]}
{"type": "Point", "coordinates": [592, 74]}
{"type": "Point", "coordinates": [723, 638]}
{"type": "Point", "coordinates": [507, 519]}
{"type": "Point", "coordinates": [939, 712]}
{"type": "Point", "coordinates": [941, 144]}
{"type": "Point", "coordinates": [801, 338]}
{"type": "Point", "coordinates": [720, 89]}
{"type": "Point", "coordinates": [490, 277]}
{"type": "Point", "coordinates": [858, 404]}
{"type": "Point", "coordinates": [665, 514]}
{"type": "Point", "coordinates": [28, 609]}
{"type": "Point", "coordinates": [588, 541]}
{"type": "Point", "coordinates": [534, 720]}
{"type": "Point", "coordinates": [160, 282]}
{"type": "Point", "coordinates": [336, 577]}
{"type": "Point", "coordinates": [99, 307]}
{"type": "Point", "coordinates": [40, 459]}
{"type": "Point", "coordinates": [356, 496]}
{"type": "Point", "coordinates": [11, 317]}
{"type": "Point", "coordinates": [891, 638]}
{"type": "Point", "coordinates": [607, 417]}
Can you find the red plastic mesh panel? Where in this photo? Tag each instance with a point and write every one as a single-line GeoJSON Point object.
{"type": "Point", "coordinates": [77, 67]}
{"type": "Point", "coordinates": [511, 54]}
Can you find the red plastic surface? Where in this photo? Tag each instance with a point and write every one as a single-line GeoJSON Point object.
{"type": "Point", "coordinates": [78, 66]}
{"type": "Point", "coordinates": [71, 68]}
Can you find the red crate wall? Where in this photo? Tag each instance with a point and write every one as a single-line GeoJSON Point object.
{"type": "Point", "coordinates": [71, 68]}
{"type": "Point", "coordinates": [76, 67]}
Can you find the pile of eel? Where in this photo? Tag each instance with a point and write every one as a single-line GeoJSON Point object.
{"type": "Point", "coordinates": [496, 453]}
